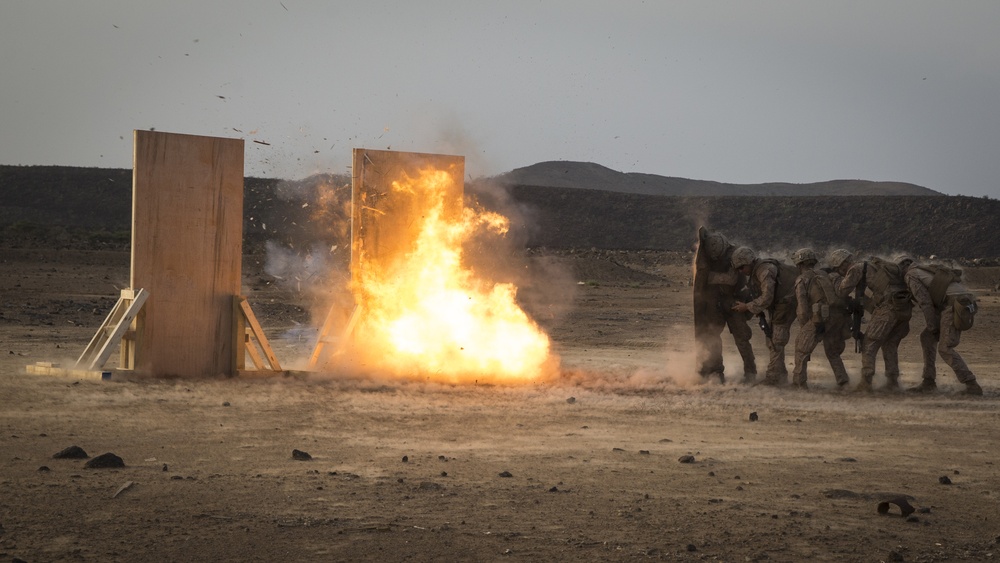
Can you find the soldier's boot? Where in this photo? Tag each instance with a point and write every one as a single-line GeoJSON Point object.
{"type": "Point", "coordinates": [926, 386]}
{"type": "Point", "coordinates": [892, 383]}
{"type": "Point", "coordinates": [770, 379]}
{"type": "Point", "coordinates": [749, 377]}
{"type": "Point", "coordinates": [973, 388]}
{"type": "Point", "coordinates": [864, 386]}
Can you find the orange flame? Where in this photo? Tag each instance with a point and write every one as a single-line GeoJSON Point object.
{"type": "Point", "coordinates": [424, 315]}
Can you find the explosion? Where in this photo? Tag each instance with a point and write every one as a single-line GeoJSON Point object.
{"type": "Point", "coordinates": [421, 313]}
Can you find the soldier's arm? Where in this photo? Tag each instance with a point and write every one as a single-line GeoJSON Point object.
{"type": "Point", "coordinates": [923, 298]}
{"type": "Point", "coordinates": [850, 281]}
{"type": "Point", "coordinates": [768, 277]}
{"type": "Point", "coordinates": [802, 312]}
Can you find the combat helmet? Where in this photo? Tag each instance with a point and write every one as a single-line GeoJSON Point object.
{"type": "Point", "coordinates": [743, 256]}
{"type": "Point", "coordinates": [903, 260]}
{"type": "Point", "coordinates": [803, 255]}
{"type": "Point", "coordinates": [715, 245]}
{"type": "Point", "coordinates": [839, 256]}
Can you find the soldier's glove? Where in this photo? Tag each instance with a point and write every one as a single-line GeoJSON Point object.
{"type": "Point", "coordinates": [820, 328]}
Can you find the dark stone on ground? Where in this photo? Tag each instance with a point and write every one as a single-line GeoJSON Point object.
{"type": "Point", "coordinates": [72, 452]}
{"type": "Point", "coordinates": [686, 459]}
{"type": "Point", "coordinates": [905, 508]}
{"type": "Point", "coordinates": [300, 455]}
{"type": "Point", "coordinates": [406, 459]}
{"type": "Point", "coordinates": [105, 461]}
{"type": "Point", "coordinates": [944, 480]}
{"type": "Point", "coordinates": [506, 474]}
{"type": "Point", "coordinates": [754, 417]}
{"type": "Point", "coordinates": [44, 469]}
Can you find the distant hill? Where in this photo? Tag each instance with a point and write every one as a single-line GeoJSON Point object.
{"type": "Point", "coordinates": [947, 226]}
{"type": "Point", "coordinates": [590, 176]}
{"type": "Point", "coordinates": [90, 208]}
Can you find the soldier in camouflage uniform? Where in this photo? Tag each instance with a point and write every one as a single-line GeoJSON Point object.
{"type": "Point", "coordinates": [822, 317]}
{"type": "Point", "coordinates": [890, 307]}
{"type": "Point", "coordinates": [773, 284]}
{"type": "Point", "coordinates": [715, 287]}
{"type": "Point", "coordinates": [948, 307]}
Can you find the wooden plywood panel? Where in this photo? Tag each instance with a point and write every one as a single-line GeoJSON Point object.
{"type": "Point", "coordinates": [187, 244]}
{"type": "Point", "coordinates": [382, 222]}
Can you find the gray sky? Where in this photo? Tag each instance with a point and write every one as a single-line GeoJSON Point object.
{"type": "Point", "coordinates": [727, 90]}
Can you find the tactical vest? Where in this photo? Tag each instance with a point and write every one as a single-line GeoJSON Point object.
{"type": "Point", "coordinates": [822, 294]}
{"type": "Point", "coordinates": [885, 279]}
{"type": "Point", "coordinates": [943, 277]}
{"type": "Point", "coordinates": [784, 283]}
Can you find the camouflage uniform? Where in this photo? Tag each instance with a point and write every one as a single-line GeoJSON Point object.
{"type": "Point", "coordinates": [715, 288]}
{"type": "Point", "coordinates": [889, 322]}
{"type": "Point", "coordinates": [814, 292]}
{"type": "Point", "coordinates": [774, 286]}
{"type": "Point", "coordinates": [937, 292]}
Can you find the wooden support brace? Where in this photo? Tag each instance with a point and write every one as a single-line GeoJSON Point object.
{"type": "Point", "coordinates": [323, 339]}
{"type": "Point", "coordinates": [248, 337]}
{"type": "Point", "coordinates": [112, 330]}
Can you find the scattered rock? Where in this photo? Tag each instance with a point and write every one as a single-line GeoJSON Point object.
{"type": "Point", "coordinates": [103, 461]}
{"type": "Point", "coordinates": [753, 416]}
{"type": "Point", "coordinates": [643, 452]}
{"type": "Point", "coordinates": [665, 440]}
{"type": "Point", "coordinates": [912, 519]}
{"type": "Point", "coordinates": [429, 486]}
{"type": "Point", "coordinates": [44, 469]}
{"type": "Point", "coordinates": [571, 400]}
{"type": "Point", "coordinates": [554, 490]}
{"type": "Point", "coordinates": [444, 473]}
{"type": "Point", "coordinates": [300, 455]}
{"type": "Point", "coordinates": [72, 452]}
{"type": "Point", "coordinates": [225, 404]}
{"type": "Point", "coordinates": [506, 474]}
{"type": "Point", "coordinates": [692, 547]}
{"type": "Point", "coordinates": [905, 508]}
{"type": "Point", "coordinates": [165, 467]}
{"type": "Point", "coordinates": [944, 480]}
{"type": "Point", "coordinates": [618, 449]}
{"type": "Point", "coordinates": [686, 459]}
{"type": "Point", "coordinates": [847, 459]}
{"type": "Point", "coordinates": [894, 556]}
{"type": "Point", "coordinates": [406, 458]}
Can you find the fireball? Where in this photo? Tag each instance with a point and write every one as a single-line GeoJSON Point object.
{"type": "Point", "coordinates": [422, 314]}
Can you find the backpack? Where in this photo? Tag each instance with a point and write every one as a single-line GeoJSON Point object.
{"type": "Point", "coordinates": [943, 277]}
{"type": "Point", "coordinates": [886, 282]}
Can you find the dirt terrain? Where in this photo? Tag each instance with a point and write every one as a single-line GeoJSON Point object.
{"type": "Point", "coordinates": [586, 466]}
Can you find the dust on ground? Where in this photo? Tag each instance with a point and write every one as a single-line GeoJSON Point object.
{"type": "Point", "coordinates": [586, 466]}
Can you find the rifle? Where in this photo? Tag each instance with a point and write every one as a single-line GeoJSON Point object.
{"type": "Point", "coordinates": [858, 310]}
{"type": "Point", "coordinates": [764, 325]}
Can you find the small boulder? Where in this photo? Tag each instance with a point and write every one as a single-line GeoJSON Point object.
{"type": "Point", "coordinates": [299, 455]}
{"type": "Point", "coordinates": [105, 461]}
{"type": "Point", "coordinates": [72, 452]}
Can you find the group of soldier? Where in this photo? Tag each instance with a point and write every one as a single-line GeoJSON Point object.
{"type": "Point", "coordinates": [734, 284]}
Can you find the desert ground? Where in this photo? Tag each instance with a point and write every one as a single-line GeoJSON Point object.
{"type": "Point", "coordinates": [583, 466]}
